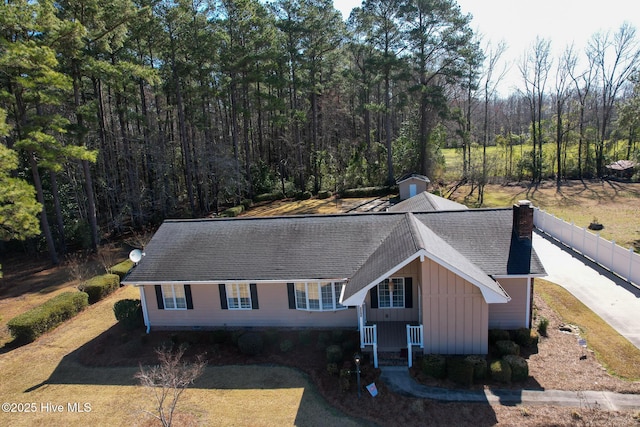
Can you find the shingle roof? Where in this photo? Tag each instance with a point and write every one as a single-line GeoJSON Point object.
{"type": "Point", "coordinates": [359, 247]}
{"type": "Point", "coordinates": [412, 175]}
{"type": "Point", "coordinates": [426, 202]}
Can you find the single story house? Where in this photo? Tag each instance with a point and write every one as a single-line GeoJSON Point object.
{"type": "Point", "coordinates": [411, 184]}
{"type": "Point", "coordinates": [437, 280]}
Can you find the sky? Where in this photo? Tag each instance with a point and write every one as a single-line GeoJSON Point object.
{"type": "Point", "coordinates": [518, 22]}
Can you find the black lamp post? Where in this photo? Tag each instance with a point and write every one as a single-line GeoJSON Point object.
{"type": "Point", "coordinates": [357, 359]}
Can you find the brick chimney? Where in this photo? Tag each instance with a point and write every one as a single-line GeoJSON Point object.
{"type": "Point", "coordinates": [523, 220]}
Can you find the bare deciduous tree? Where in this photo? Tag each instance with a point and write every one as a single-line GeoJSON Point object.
{"type": "Point", "coordinates": [168, 380]}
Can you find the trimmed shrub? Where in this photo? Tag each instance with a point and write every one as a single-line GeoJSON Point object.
{"type": "Point", "coordinates": [250, 343]}
{"type": "Point", "coordinates": [246, 203]}
{"type": "Point", "coordinates": [525, 337]}
{"type": "Point", "coordinates": [496, 335]}
{"type": "Point", "coordinates": [129, 313]}
{"type": "Point", "coordinates": [500, 371]}
{"type": "Point", "coordinates": [303, 195]}
{"type": "Point", "coordinates": [220, 336]}
{"type": "Point", "coordinates": [271, 336]}
{"type": "Point", "coordinates": [268, 197]}
{"type": "Point", "coordinates": [99, 287]}
{"type": "Point", "coordinates": [324, 194]}
{"type": "Point", "coordinates": [334, 354]}
{"type": "Point", "coordinates": [507, 347]}
{"type": "Point", "coordinates": [323, 340]}
{"type": "Point", "coordinates": [460, 371]}
{"type": "Point", "coordinates": [479, 364]}
{"type": "Point", "coordinates": [122, 268]}
{"type": "Point", "coordinates": [332, 369]}
{"type": "Point", "coordinates": [367, 192]}
{"type": "Point", "coordinates": [232, 212]}
{"type": "Point", "coordinates": [434, 365]}
{"type": "Point", "coordinates": [349, 346]}
{"type": "Point", "coordinates": [345, 379]}
{"type": "Point", "coordinates": [286, 345]}
{"type": "Point", "coordinates": [31, 324]}
{"type": "Point", "coordinates": [519, 367]}
{"type": "Point", "coordinates": [304, 337]}
{"type": "Point", "coordinates": [336, 336]}
{"type": "Point", "coordinates": [543, 324]}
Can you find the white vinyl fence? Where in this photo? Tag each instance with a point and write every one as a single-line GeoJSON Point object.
{"type": "Point", "coordinates": [623, 262]}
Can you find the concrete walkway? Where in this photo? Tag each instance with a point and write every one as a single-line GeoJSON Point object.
{"type": "Point", "coordinates": [397, 378]}
{"type": "Point", "coordinates": [612, 298]}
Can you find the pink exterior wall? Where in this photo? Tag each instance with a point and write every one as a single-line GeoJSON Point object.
{"type": "Point", "coordinates": [511, 315]}
{"type": "Point", "coordinates": [396, 314]}
{"type": "Point", "coordinates": [455, 315]}
{"type": "Point", "coordinates": [274, 311]}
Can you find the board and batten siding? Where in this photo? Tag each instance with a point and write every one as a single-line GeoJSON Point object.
{"type": "Point", "coordinates": [513, 314]}
{"type": "Point", "coordinates": [455, 314]}
{"type": "Point", "coordinates": [273, 311]}
{"type": "Point", "coordinates": [409, 315]}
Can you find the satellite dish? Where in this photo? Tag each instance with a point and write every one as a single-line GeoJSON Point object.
{"type": "Point", "coordinates": [135, 255]}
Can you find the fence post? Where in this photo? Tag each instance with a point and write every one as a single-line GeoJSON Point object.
{"type": "Point", "coordinates": [630, 264]}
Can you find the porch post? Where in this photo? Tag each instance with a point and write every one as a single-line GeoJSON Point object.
{"type": "Point", "coordinates": [361, 325]}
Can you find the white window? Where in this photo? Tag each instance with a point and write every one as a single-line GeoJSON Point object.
{"type": "Point", "coordinates": [318, 296]}
{"type": "Point", "coordinates": [174, 297]}
{"type": "Point", "coordinates": [238, 296]}
{"type": "Point", "coordinates": [391, 293]}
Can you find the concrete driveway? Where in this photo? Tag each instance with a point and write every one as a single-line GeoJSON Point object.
{"type": "Point", "coordinates": [613, 299]}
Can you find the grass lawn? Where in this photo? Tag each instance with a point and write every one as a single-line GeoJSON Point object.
{"type": "Point", "coordinates": [614, 351]}
{"type": "Point", "coordinates": [247, 395]}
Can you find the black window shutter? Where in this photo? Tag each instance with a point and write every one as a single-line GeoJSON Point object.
{"type": "Point", "coordinates": [254, 296]}
{"type": "Point", "coordinates": [187, 296]}
{"type": "Point", "coordinates": [159, 297]}
{"type": "Point", "coordinates": [408, 292]}
{"type": "Point", "coordinates": [374, 297]}
{"type": "Point", "coordinates": [291, 293]}
{"type": "Point", "coordinates": [223, 296]}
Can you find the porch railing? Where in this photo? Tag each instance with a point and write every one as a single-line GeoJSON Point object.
{"type": "Point", "coordinates": [369, 336]}
{"type": "Point", "coordinates": [414, 337]}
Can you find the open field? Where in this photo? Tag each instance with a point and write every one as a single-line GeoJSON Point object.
{"type": "Point", "coordinates": [614, 204]}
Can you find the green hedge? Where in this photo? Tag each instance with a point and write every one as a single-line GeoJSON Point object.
{"type": "Point", "coordinates": [250, 343]}
{"type": "Point", "coordinates": [232, 212]}
{"type": "Point", "coordinates": [324, 194]}
{"type": "Point", "coordinates": [268, 197]}
{"type": "Point", "coordinates": [122, 268]}
{"type": "Point", "coordinates": [129, 313]}
{"type": "Point", "coordinates": [519, 367]}
{"type": "Point", "coordinates": [30, 325]}
{"type": "Point", "coordinates": [501, 371]}
{"type": "Point", "coordinates": [460, 371]}
{"type": "Point", "coordinates": [479, 364]}
{"type": "Point", "coordinates": [99, 287]}
{"type": "Point", "coordinates": [367, 192]}
{"type": "Point", "coordinates": [434, 365]}
{"type": "Point", "coordinates": [507, 347]}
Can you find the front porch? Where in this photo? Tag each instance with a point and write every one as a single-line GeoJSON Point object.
{"type": "Point", "coordinates": [396, 340]}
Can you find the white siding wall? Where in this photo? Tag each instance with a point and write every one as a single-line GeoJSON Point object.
{"type": "Point", "coordinates": [274, 311]}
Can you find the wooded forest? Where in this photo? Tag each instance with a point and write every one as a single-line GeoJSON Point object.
{"type": "Point", "coordinates": [116, 114]}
